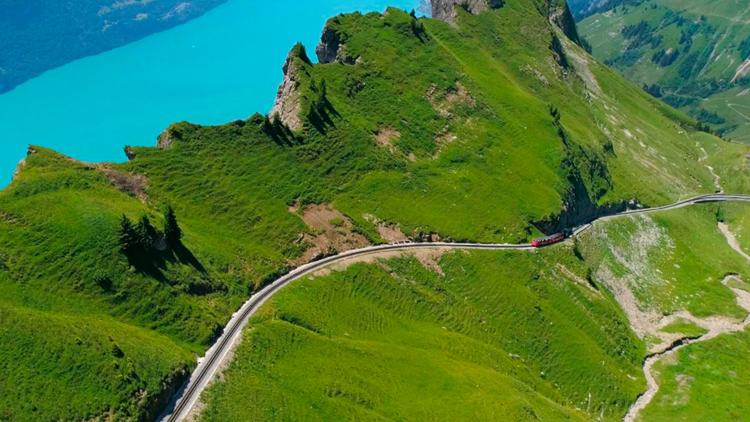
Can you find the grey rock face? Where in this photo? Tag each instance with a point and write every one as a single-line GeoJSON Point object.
{"type": "Point", "coordinates": [328, 48]}
{"type": "Point", "coordinates": [288, 105]}
{"type": "Point", "coordinates": [332, 48]}
{"type": "Point", "coordinates": [445, 10]}
{"type": "Point", "coordinates": [559, 14]}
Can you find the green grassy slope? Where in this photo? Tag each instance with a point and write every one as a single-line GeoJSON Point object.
{"type": "Point", "coordinates": [312, 351]}
{"type": "Point", "coordinates": [689, 52]}
{"type": "Point", "coordinates": [708, 380]}
{"type": "Point", "coordinates": [499, 136]}
{"type": "Point", "coordinates": [499, 336]}
{"type": "Point", "coordinates": [70, 299]}
{"type": "Point", "coordinates": [67, 365]}
{"type": "Point", "coordinates": [671, 261]}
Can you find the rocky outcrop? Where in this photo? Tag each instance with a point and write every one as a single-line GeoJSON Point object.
{"type": "Point", "coordinates": [445, 10]}
{"type": "Point", "coordinates": [560, 15]}
{"type": "Point", "coordinates": [19, 168]}
{"type": "Point", "coordinates": [152, 405]}
{"type": "Point", "coordinates": [589, 181]}
{"type": "Point", "coordinates": [288, 105]}
{"type": "Point", "coordinates": [331, 47]}
{"type": "Point", "coordinates": [165, 139]}
{"type": "Point", "coordinates": [172, 134]}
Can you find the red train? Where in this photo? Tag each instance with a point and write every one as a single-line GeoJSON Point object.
{"type": "Point", "coordinates": [548, 240]}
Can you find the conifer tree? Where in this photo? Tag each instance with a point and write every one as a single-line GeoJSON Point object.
{"type": "Point", "coordinates": [146, 234]}
{"type": "Point", "coordinates": [128, 236]}
{"type": "Point", "coordinates": [172, 231]}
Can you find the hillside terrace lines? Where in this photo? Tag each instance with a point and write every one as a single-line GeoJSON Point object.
{"type": "Point", "coordinates": [216, 357]}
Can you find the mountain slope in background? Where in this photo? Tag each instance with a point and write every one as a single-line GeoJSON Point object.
{"type": "Point", "coordinates": [492, 128]}
{"type": "Point", "coordinates": [695, 55]}
{"type": "Point", "coordinates": [39, 35]}
{"type": "Point", "coordinates": [584, 8]}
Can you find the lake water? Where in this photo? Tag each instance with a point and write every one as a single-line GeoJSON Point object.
{"type": "Point", "coordinates": [223, 66]}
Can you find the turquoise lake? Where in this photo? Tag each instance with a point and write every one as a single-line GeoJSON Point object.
{"type": "Point", "coordinates": [223, 66]}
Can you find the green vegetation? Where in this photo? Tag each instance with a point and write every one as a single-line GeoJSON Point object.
{"type": "Point", "coordinates": [85, 333]}
{"type": "Point", "coordinates": [491, 130]}
{"type": "Point", "coordinates": [670, 261]}
{"type": "Point", "coordinates": [685, 328]}
{"type": "Point", "coordinates": [313, 349]}
{"type": "Point", "coordinates": [692, 54]}
{"type": "Point", "coordinates": [737, 217]}
{"type": "Point", "coordinates": [500, 336]}
{"type": "Point", "coordinates": [706, 381]}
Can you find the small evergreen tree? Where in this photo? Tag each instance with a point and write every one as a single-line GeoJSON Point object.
{"type": "Point", "coordinates": [172, 231]}
{"type": "Point", "coordinates": [128, 236]}
{"type": "Point", "coordinates": [146, 234]}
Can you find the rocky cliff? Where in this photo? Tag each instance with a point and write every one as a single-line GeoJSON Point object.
{"type": "Point", "coordinates": [288, 105]}
{"type": "Point", "coordinates": [332, 47]}
{"type": "Point", "coordinates": [446, 9]}
{"type": "Point", "coordinates": [559, 14]}
{"type": "Point", "coordinates": [557, 11]}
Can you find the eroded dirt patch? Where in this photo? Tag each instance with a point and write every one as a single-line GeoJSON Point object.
{"type": "Point", "coordinates": [385, 138]}
{"type": "Point", "coordinates": [430, 259]}
{"type": "Point", "coordinates": [331, 232]}
{"type": "Point", "coordinates": [576, 278]}
{"type": "Point", "coordinates": [445, 103]}
{"type": "Point", "coordinates": [389, 232]}
{"type": "Point", "coordinates": [133, 184]}
{"type": "Point", "coordinates": [442, 140]}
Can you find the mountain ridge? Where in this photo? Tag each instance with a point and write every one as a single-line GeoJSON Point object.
{"type": "Point", "coordinates": [416, 129]}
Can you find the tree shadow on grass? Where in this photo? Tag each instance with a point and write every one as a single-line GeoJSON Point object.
{"type": "Point", "coordinates": [185, 256]}
{"type": "Point", "coordinates": [153, 262]}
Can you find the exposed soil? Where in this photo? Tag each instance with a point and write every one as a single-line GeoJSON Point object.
{"type": "Point", "coordinates": [331, 232]}
{"type": "Point", "coordinates": [716, 326]}
{"type": "Point", "coordinates": [430, 259]}
{"type": "Point", "coordinates": [732, 240]}
{"type": "Point", "coordinates": [389, 232]}
{"type": "Point", "coordinates": [582, 67]}
{"type": "Point", "coordinates": [742, 70]}
{"type": "Point", "coordinates": [445, 103]}
{"type": "Point", "coordinates": [575, 277]}
{"type": "Point", "coordinates": [130, 183]}
{"type": "Point", "coordinates": [443, 139]}
{"type": "Point", "coordinates": [717, 178]}
{"type": "Point", "coordinates": [385, 138]}
{"type": "Point", "coordinates": [19, 168]}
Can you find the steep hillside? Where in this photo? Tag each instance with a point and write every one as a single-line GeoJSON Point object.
{"type": "Point", "coordinates": [39, 35]}
{"type": "Point", "coordinates": [681, 278]}
{"type": "Point", "coordinates": [488, 128]}
{"type": "Point", "coordinates": [692, 54]}
{"type": "Point", "coordinates": [584, 8]}
{"type": "Point", "coordinates": [482, 336]}
{"type": "Point", "coordinates": [518, 335]}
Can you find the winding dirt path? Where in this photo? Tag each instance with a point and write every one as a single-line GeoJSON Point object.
{"type": "Point", "coordinates": [715, 326]}
{"type": "Point", "coordinates": [717, 178]}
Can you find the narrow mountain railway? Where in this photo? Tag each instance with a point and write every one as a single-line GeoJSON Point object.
{"type": "Point", "coordinates": [219, 353]}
